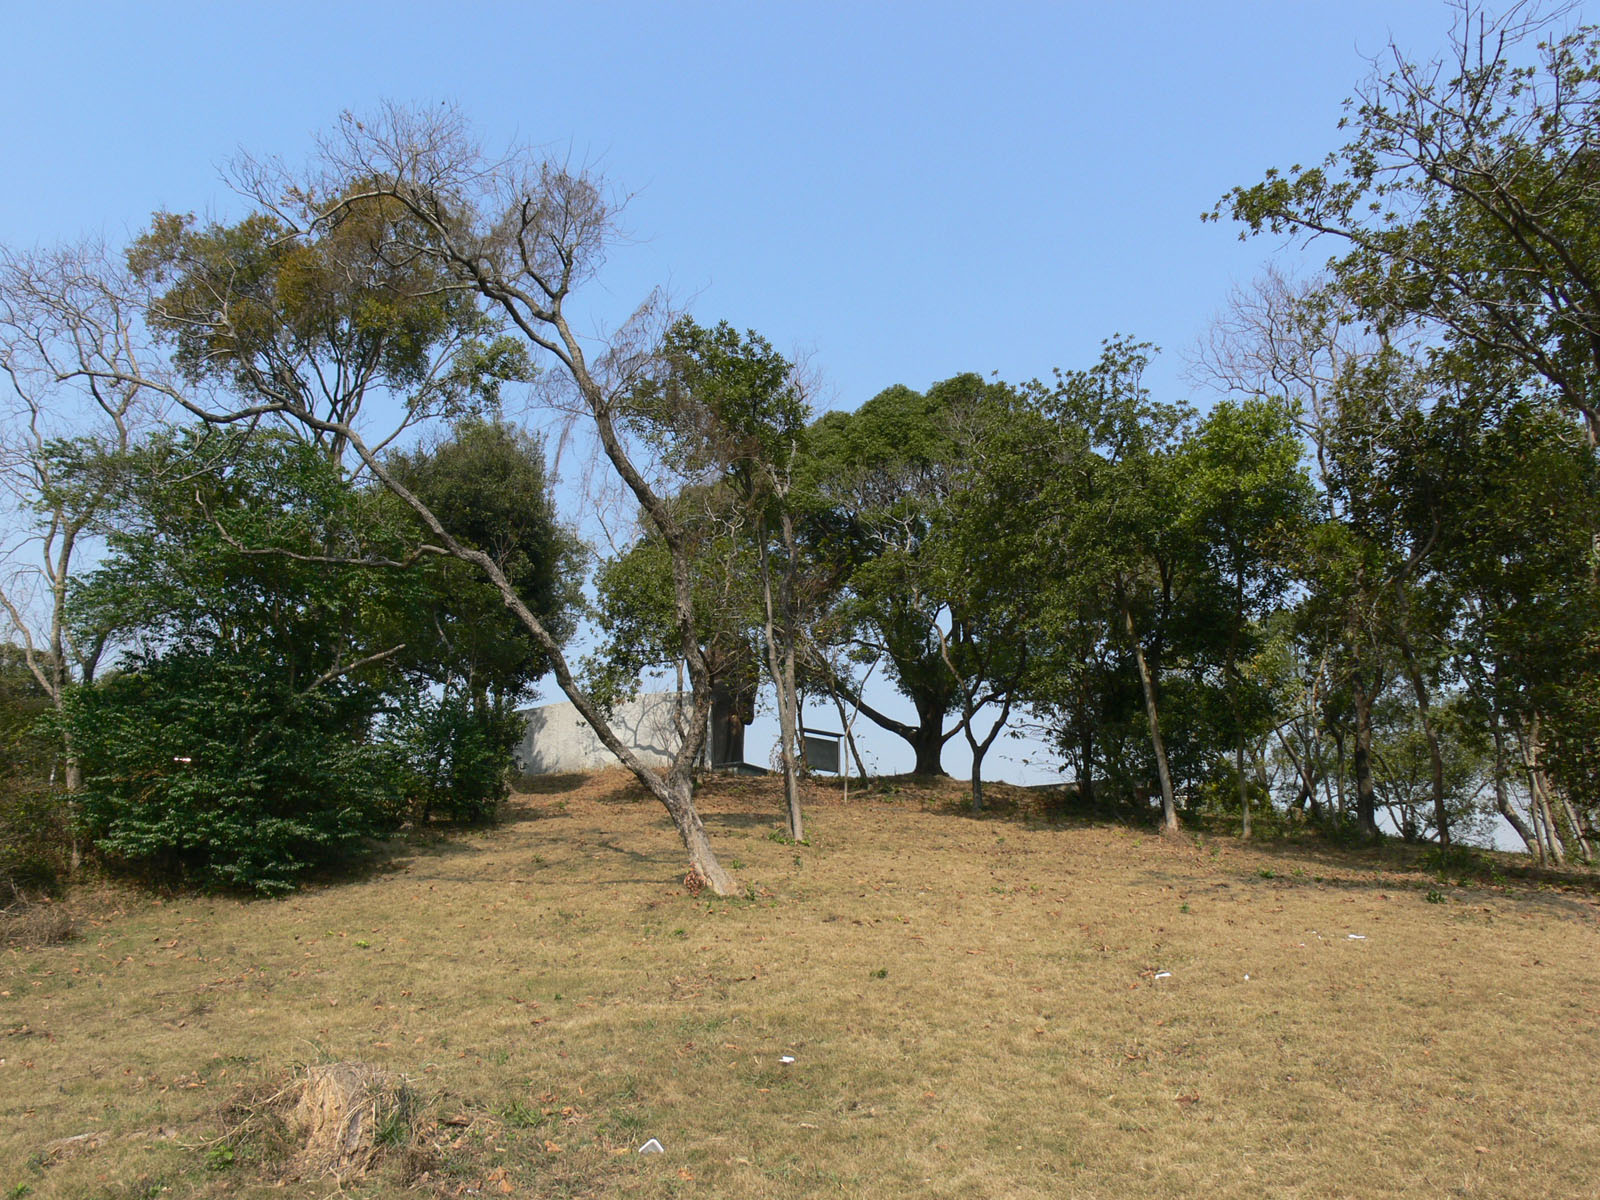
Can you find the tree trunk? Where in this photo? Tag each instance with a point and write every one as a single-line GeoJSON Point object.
{"type": "Point", "coordinates": [1244, 788]}
{"type": "Point", "coordinates": [1169, 807]}
{"type": "Point", "coordinates": [1309, 746]}
{"type": "Point", "coordinates": [703, 865]}
{"type": "Point", "coordinates": [72, 773]}
{"type": "Point", "coordinates": [1086, 764]}
{"type": "Point", "coordinates": [1419, 688]}
{"type": "Point", "coordinates": [846, 724]}
{"type": "Point", "coordinates": [980, 749]}
{"type": "Point", "coordinates": [1577, 829]}
{"type": "Point", "coordinates": [1338, 745]}
{"type": "Point", "coordinates": [1541, 848]}
{"type": "Point", "coordinates": [1366, 795]}
{"type": "Point", "coordinates": [1302, 771]}
{"type": "Point", "coordinates": [791, 570]}
{"type": "Point", "coordinates": [1538, 789]}
{"type": "Point", "coordinates": [1502, 799]}
{"type": "Point", "coordinates": [926, 738]}
{"type": "Point", "coordinates": [780, 664]}
{"type": "Point", "coordinates": [1558, 850]}
{"type": "Point", "coordinates": [928, 744]}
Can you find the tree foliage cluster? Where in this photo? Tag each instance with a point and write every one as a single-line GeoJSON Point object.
{"type": "Point", "coordinates": [282, 570]}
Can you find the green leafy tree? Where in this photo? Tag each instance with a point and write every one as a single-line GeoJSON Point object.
{"type": "Point", "coordinates": [883, 476]}
{"type": "Point", "coordinates": [982, 562]}
{"type": "Point", "coordinates": [203, 765]}
{"type": "Point", "coordinates": [471, 660]}
{"type": "Point", "coordinates": [74, 402]}
{"type": "Point", "coordinates": [730, 412]}
{"type": "Point", "coordinates": [434, 221]}
{"type": "Point", "coordinates": [1515, 557]}
{"type": "Point", "coordinates": [635, 615]}
{"type": "Point", "coordinates": [234, 747]}
{"type": "Point", "coordinates": [453, 755]}
{"type": "Point", "coordinates": [1248, 503]}
{"type": "Point", "coordinates": [1117, 506]}
{"type": "Point", "coordinates": [34, 839]}
{"type": "Point", "coordinates": [489, 481]}
{"type": "Point", "coordinates": [318, 319]}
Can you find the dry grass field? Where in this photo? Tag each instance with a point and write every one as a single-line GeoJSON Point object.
{"type": "Point", "coordinates": [1005, 1006]}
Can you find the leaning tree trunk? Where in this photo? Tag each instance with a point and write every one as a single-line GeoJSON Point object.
{"type": "Point", "coordinates": [1302, 770]}
{"type": "Point", "coordinates": [1502, 798]}
{"type": "Point", "coordinates": [1539, 790]}
{"type": "Point", "coordinates": [849, 740]}
{"type": "Point", "coordinates": [678, 798]}
{"type": "Point", "coordinates": [926, 738]}
{"type": "Point", "coordinates": [1577, 828]}
{"type": "Point", "coordinates": [1169, 806]}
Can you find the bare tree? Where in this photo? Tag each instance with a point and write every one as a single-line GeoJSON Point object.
{"type": "Point", "coordinates": [71, 357]}
{"type": "Point", "coordinates": [1465, 199]}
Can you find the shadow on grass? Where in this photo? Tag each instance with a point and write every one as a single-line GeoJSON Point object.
{"type": "Point", "coordinates": [1306, 863]}
{"type": "Point", "coordinates": [549, 785]}
{"type": "Point", "coordinates": [1309, 856]}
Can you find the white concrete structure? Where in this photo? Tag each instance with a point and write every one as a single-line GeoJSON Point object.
{"type": "Point", "coordinates": [557, 741]}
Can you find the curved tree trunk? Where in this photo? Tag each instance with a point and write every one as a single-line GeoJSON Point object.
{"type": "Point", "coordinates": [678, 799]}
{"type": "Point", "coordinates": [1502, 799]}
{"type": "Point", "coordinates": [926, 738]}
{"type": "Point", "coordinates": [847, 723]}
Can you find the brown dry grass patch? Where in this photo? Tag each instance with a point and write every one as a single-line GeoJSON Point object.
{"type": "Point", "coordinates": [1018, 1005]}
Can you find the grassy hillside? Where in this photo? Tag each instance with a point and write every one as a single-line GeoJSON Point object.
{"type": "Point", "coordinates": [1012, 1006]}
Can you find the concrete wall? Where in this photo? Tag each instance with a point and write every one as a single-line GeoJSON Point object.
{"type": "Point", "coordinates": [557, 741]}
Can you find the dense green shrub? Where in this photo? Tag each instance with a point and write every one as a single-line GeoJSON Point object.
{"type": "Point", "coordinates": [35, 837]}
{"type": "Point", "coordinates": [202, 766]}
{"type": "Point", "coordinates": [35, 840]}
{"type": "Point", "coordinates": [456, 757]}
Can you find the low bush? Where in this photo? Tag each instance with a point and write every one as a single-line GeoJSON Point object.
{"type": "Point", "coordinates": [35, 841]}
{"type": "Point", "coordinates": [199, 767]}
{"type": "Point", "coordinates": [35, 835]}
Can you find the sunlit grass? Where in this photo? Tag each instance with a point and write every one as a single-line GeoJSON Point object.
{"type": "Point", "coordinates": [1005, 1006]}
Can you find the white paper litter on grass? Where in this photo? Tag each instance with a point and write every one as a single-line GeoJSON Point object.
{"type": "Point", "coordinates": [786, 1058]}
{"type": "Point", "coordinates": [1163, 974]}
{"type": "Point", "coordinates": [652, 1147]}
{"type": "Point", "coordinates": [1356, 937]}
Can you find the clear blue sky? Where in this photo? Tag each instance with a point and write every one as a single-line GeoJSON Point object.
{"type": "Point", "coordinates": [902, 191]}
